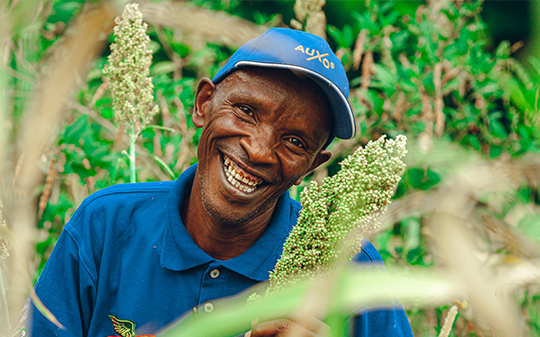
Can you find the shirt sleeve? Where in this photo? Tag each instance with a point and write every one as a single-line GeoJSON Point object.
{"type": "Point", "coordinates": [66, 288]}
{"type": "Point", "coordinates": [384, 322]}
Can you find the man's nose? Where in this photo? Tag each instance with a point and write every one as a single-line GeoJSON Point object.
{"type": "Point", "coordinates": [261, 147]}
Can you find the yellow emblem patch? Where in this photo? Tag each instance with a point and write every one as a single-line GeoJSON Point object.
{"type": "Point", "coordinates": [125, 327]}
{"type": "Point", "coordinates": [315, 54]}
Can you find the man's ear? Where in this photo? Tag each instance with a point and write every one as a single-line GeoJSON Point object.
{"type": "Point", "coordinates": [205, 92]}
{"type": "Point", "coordinates": [322, 157]}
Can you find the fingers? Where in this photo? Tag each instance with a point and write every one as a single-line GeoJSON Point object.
{"type": "Point", "coordinates": [304, 326]}
{"type": "Point", "coordinates": [280, 328]}
{"type": "Point", "coordinates": [312, 324]}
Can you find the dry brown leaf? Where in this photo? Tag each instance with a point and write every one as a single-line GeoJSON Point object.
{"type": "Point", "coordinates": [310, 12]}
{"type": "Point", "coordinates": [99, 92]}
{"type": "Point", "coordinates": [18, 168]}
{"type": "Point", "coordinates": [516, 46]}
{"type": "Point", "coordinates": [295, 24]}
{"type": "Point", "coordinates": [449, 321]}
{"type": "Point", "coordinates": [456, 247]}
{"type": "Point", "coordinates": [367, 70]}
{"type": "Point", "coordinates": [49, 180]}
{"type": "Point", "coordinates": [450, 74]}
{"type": "Point", "coordinates": [83, 41]}
{"type": "Point", "coordinates": [398, 111]}
{"type": "Point", "coordinates": [438, 102]}
{"type": "Point", "coordinates": [200, 25]}
{"type": "Point", "coordinates": [359, 48]}
{"type": "Point", "coordinates": [427, 109]}
{"type": "Point", "coordinates": [117, 144]}
{"type": "Point", "coordinates": [156, 141]}
{"type": "Point", "coordinates": [166, 117]}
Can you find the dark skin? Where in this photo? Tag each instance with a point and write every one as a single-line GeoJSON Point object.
{"type": "Point", "coordinates": [269, 127]}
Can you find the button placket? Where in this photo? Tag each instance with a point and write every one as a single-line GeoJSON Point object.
{"type": "Point", "coordinates": [214, 273]}
{"type": "Point", "coordinates": [208, 307]}
{"type": "Point", "coordinates": [212, 285]}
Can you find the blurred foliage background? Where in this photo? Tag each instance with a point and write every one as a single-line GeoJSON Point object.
{"type": "Point", "coordinates": [460, 78]}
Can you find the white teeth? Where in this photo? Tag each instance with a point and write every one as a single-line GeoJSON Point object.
{"type": "Point", "coordinates": [236, 179]}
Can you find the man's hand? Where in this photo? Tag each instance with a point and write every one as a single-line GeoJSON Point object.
{"type": "Point", "coordinates": [304, 326]}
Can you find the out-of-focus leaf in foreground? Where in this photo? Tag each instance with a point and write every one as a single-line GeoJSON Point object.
{"type": "Point", "coordinates": [350, 290]}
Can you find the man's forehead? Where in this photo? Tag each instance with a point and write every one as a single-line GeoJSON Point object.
{"type": "Point", "coordinates": [278, 77]}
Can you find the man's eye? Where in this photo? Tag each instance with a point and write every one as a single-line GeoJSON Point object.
{"type": "Point", "coordinates": [296, 142]}
{"type": "Point", "coordinates": [246, 110]}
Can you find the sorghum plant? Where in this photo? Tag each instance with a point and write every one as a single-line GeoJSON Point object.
{"type": "Point", "coordinates": [351, 200]}
{"type": "Point", "coordinates": [128, 71]}
{"type": "Point", "coordinates": [4, 251]}
{"type": "Point", "coordinates": [4, 254]}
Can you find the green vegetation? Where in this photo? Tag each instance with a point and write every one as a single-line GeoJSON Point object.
{"type": "Point", "coordinates": [420, 69]}
{"type": "Point", "coordinates": [128, 72]}
{"type": "Point", "coordinates": [348, 203]}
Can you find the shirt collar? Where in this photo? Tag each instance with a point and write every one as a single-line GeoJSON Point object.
{"type": "Point", "coordinates": [180, 252]}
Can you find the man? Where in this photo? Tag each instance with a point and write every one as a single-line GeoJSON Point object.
{"type": "Point", "coordinates": [135, 257]}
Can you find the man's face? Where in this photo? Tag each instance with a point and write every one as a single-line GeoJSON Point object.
{"type": "Point", "coordinates": [263, 131]}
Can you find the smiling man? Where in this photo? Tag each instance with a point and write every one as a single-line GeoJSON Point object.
{"type": "Point", "coordinates": [263, 131]}
{"type": "Point", "coordinates": [135, 257]}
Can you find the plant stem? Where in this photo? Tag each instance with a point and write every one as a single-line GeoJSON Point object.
{"type": "Point", "coordinates": [164, 165]}
{"type": "Point", "coordinates": [132, 168]}
{"type": "Point", "coordinates": [5, 309]}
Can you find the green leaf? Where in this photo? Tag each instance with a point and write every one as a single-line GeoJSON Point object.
{"type": "Point", "coordinates": [64, 10]}
{"type": "Point", "coordinates": [535, 63]}
{"type": "Point", "coordinates": [161, 68]}
{"type": "Point", "coordinates": [154, 46]}
{"type": "Point", "coordinates": [473, 141]}
{"type": "Point", "coordinates": [422, 179]}
{"type": "Point", "coordinates": [180, 49]}
{"type": "Point", "coordinates": [530, 225]}
{"type": "Point", "coordinates": [497, 128]}
{"type": "Point", "coordinates": [503, 50]}
{"type": "Point", "coordinates": [412, 232]}
{"type": "Point", "coordinates": [399, 39]}
{"type": "Point", "coordinates": [77, 131]}
{"type": "Point", "coordinates": [495, 151]}
{"type": "Point", "coordinates": [352, 289]}
{"type": "Point", "coordinates": [344, 38]}
{"type": "Point", "coordinates": [384, 78]}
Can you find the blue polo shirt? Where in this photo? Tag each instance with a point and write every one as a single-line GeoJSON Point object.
{"type": "Point", "coordinates": [125, 255]}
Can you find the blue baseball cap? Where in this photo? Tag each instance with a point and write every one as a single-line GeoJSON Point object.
{"type": "Point", "coordinates": [285, 48]}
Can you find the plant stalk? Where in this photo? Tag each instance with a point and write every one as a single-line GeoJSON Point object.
{"type": "Point", "coordinates": [5, 309]}
{"type": "Point", "coordinates": [132, 167]}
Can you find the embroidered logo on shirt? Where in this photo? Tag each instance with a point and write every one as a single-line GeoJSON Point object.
{"type": "Point", "coordinates": [125, 327]}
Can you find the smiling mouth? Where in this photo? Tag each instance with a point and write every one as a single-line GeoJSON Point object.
{"type": "Point", "coordinates": [237, 178]}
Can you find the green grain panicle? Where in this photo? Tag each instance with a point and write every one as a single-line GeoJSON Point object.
{"type": "Point", "coordinates": [350, 200]}
{"type": "Point", "coordinates": [129, 69]}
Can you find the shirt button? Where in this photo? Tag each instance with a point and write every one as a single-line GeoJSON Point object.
{"type": "Point", "coordinates": [214, 273]}
{"type": "Point", "coordinates": [208, 307]}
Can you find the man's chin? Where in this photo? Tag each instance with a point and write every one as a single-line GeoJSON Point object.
{"type": "Point", "coordinates": [227, 211]}
{"type": "Point", "coordinates": [225, 216]}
